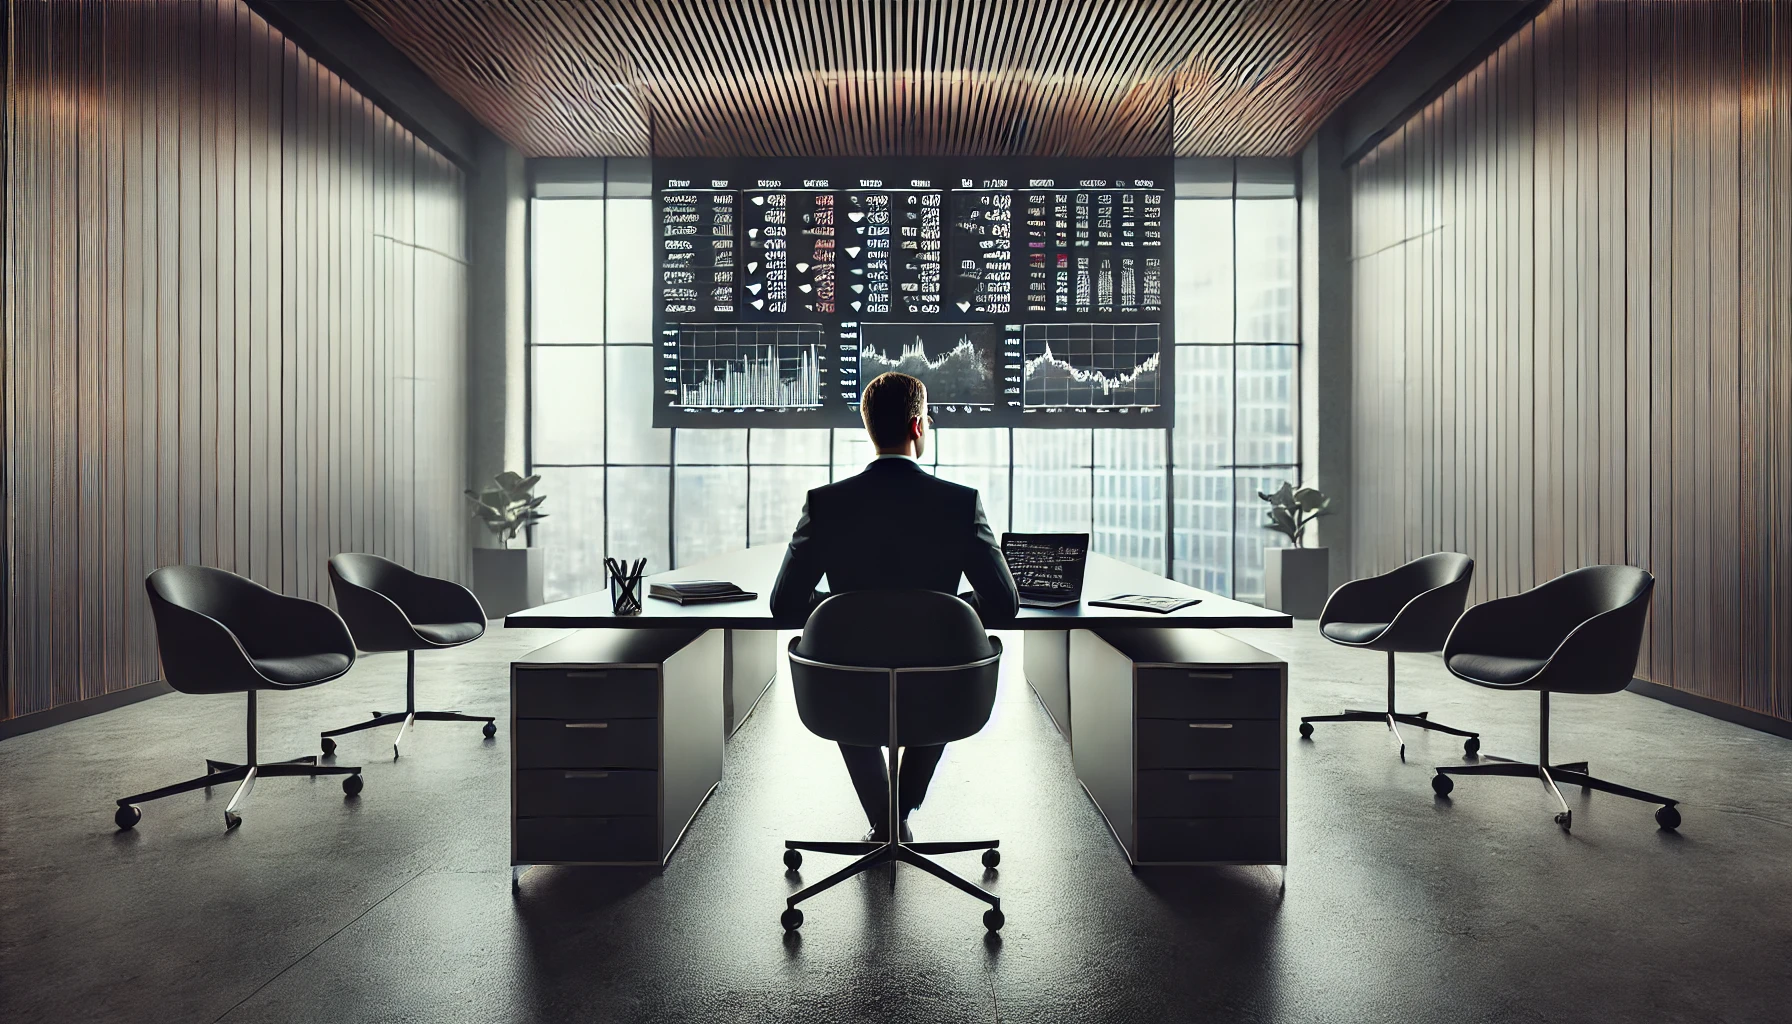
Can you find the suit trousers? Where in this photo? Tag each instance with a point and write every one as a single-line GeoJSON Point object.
{"type": "Point", "coordinates": [870, 776]}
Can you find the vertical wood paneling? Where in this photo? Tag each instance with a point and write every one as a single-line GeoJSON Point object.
{"type": "Point", "coordinates": [203, 294]}
{"type": "Point", "coordinates": [1596, 333]}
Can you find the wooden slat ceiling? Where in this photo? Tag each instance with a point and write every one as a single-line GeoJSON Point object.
{"type": "Point", "coordinates": [913, 77]}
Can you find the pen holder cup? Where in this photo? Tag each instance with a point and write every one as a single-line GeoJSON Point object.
{"type": "Point", "coordinates": [625, 594]}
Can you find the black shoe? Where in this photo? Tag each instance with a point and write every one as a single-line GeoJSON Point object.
{"type": "Point", "coordinates": [904, 833]}
{"type": "Point", "coordinates": [876, 835]}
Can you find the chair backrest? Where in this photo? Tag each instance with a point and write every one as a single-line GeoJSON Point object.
{"type": "Point", "coordinates": [369, 572]}
{"type": "Point", "coordinates": [230, 599]}
{"type": "Point", "coordinates": [1597, 589]}
{"type": "Point", "coordinates": [1596, 616]}
{"type": "Point", "coordinates": [374, 595]}
{"type": "Point", "coordinates": [202, 616]}
{"type": "Point", "coordinates": [1546, 614]}
{"type": "Point", "coordinates": [894, 629]}
{"type": "Point", "coordinates": [1428, 572]}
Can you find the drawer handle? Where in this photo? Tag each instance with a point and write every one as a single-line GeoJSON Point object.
{"type": "Point", "coordinates": [1210, 776]}
{"type": "Point", "coordinates": [1210, 725]}
{"type": "Point", "coordinates": [586, 775]}
{"type": "Point", "coordinates": [606, 725]}
{"type": "Point", "coordinates": [587, 675]}
{"type": "Point", "coordinates": [1210, 675]}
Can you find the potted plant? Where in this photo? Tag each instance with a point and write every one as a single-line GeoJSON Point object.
{"type": "Point", "coordinates": [508, 579]}
{"type": "Point", "coordinates": [1296, 579]}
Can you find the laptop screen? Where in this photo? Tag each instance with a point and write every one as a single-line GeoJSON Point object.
{"type": "Point", "coordinates": [1047, 563]}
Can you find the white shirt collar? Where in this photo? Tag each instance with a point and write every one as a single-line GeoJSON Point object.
{"type": "Point", "coordinates": [898, 455]}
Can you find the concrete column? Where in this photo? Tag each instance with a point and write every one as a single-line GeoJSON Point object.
{"type": "Point", "coordinates": [497, 374]}
{"type": "Point", "coordinates": [1326, 326]}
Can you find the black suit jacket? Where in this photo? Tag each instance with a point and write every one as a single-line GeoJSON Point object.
{"type": "Point", "coordinates": [893, 527]}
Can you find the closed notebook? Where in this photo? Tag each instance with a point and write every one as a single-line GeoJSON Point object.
{"type": "Point", "coordinates": [699, 592]}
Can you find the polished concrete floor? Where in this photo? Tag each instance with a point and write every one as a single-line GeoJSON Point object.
{"type": "Point", "coordinates": [396, 905]}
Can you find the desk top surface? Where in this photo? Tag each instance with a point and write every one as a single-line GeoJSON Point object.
{"type": "Point", "coordinates": [755, 569]}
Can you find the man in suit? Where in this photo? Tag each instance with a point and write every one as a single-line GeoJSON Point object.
{"type": "Point", "coordinates": [894, 527]}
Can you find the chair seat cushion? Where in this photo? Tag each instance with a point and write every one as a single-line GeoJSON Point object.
{"type": "Point", "coordinates": [449, 633]}
{"type": "Point", "coordinates": [1353, 632]}
{"type": "Point", "coordinates": [1495, 669]}
{"type": "Point", "coordinates": [305, 668]}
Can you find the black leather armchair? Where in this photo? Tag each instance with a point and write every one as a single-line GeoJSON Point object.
{"type": "Point", "coordinates": [1579, 633]}
{"type": "Point", "coordinates": [894, 668]}
{"type": "Point", "coordinates": [391, 608]}
{"type": "Point", "coordinates": [1407, 610]}
{"type": "Point", "coordinates": [221, 633]}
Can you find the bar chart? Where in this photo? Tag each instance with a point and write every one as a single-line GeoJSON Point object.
{"type": "Point", "coordinates": [763, 366]}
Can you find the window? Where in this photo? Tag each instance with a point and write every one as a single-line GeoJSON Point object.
{"type": "Point", "coordinates": [1180, 501]}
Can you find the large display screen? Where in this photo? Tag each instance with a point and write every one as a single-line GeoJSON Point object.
{"type": "Point", "coordinates": [1024, 292]}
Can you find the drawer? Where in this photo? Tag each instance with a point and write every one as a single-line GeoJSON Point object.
{"type": "Point", "coordinates": [1167, 743]}
{"type": "Point", "coordinates": [1195, 692]}
{"type": "Point", "coordinates": [551, 840]}
{"type": "Point", "coordinates": [587, 743]}
{"type": "Point", "coordinates": [586, 792]}
{"type": "Point", "coordinates": [587, 693]}
{"type": "Point", "coordinates": [1249, 840]}
{"type": "Point", "coordinates": [1209, 794]}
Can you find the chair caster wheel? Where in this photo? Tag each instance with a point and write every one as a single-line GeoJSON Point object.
{"type": "Point", "coordinates": [1306, 730]}
{"type": "Point", "coordinates": [490, 730]}
{"type": "Point", "coordinates": [1442, 784]}
{"type": "Point", "coordinates": [1565, 819]}
{"type": "Point", "coordinates": [128, 815]}
{"type": "Point", "coordinates": [991, 858]}
{"type": "Point", "coordinates": [351, 784]}
{"type": "Point", "coordinates": [793, 859]}
{"type": "Point", "coordinates": [231, 821]}
{"type": "Point", "coordinates": [329, 746]}
{"type": "Point", "coordinates": [993, 919]}
{"type": "Point", "coordinates": [791, 919]}
{"type": "Point", "coordinates": [1667, 816]}
{"type": "Point", "coordinates": [1472, 744]}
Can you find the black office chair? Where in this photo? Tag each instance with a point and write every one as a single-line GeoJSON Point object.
{"type": "Point", "coordinates": [221, 633]}
{"type": "Point", "coordinates": [894, 668]}
{"type": "Point", "coordinates": [391, 608]}
{"type": "Point", "coordinates": [1409, 610]}
{"type": "Point", "coordinates": [1578, 633]}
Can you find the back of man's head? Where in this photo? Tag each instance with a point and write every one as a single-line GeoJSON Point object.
{"type": "Point", "coordinates": [891, 402]}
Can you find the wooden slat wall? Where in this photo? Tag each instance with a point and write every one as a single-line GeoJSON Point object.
{"type": "Point", "coordinates": [890, 77]}
{"type": "Point", "coordinates": [1573, 279]}
{"type": "Point", "coordinates": [234, 317]}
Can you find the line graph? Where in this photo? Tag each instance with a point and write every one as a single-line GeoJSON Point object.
{"type": "Point", "coordinates": [955, 361]}
{"type": "Point", "coordinates": [1091, 366]}
{"type": "Point", "coordinates": [768, 366]}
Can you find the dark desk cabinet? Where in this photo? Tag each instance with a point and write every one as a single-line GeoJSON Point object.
{"type": "Point", "coordinates": [1180, 738]}
{"type": "Point", "coordinates": [616, 742]}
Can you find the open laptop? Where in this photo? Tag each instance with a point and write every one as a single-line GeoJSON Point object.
{"type": "Point", "coordinates": [1047, 567]}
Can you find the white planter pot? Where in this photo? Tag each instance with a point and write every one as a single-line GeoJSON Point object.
{"type": "Point", "coordinates": [1297, 580]}
{"type": "Point", "coordinates": [508, 579]}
